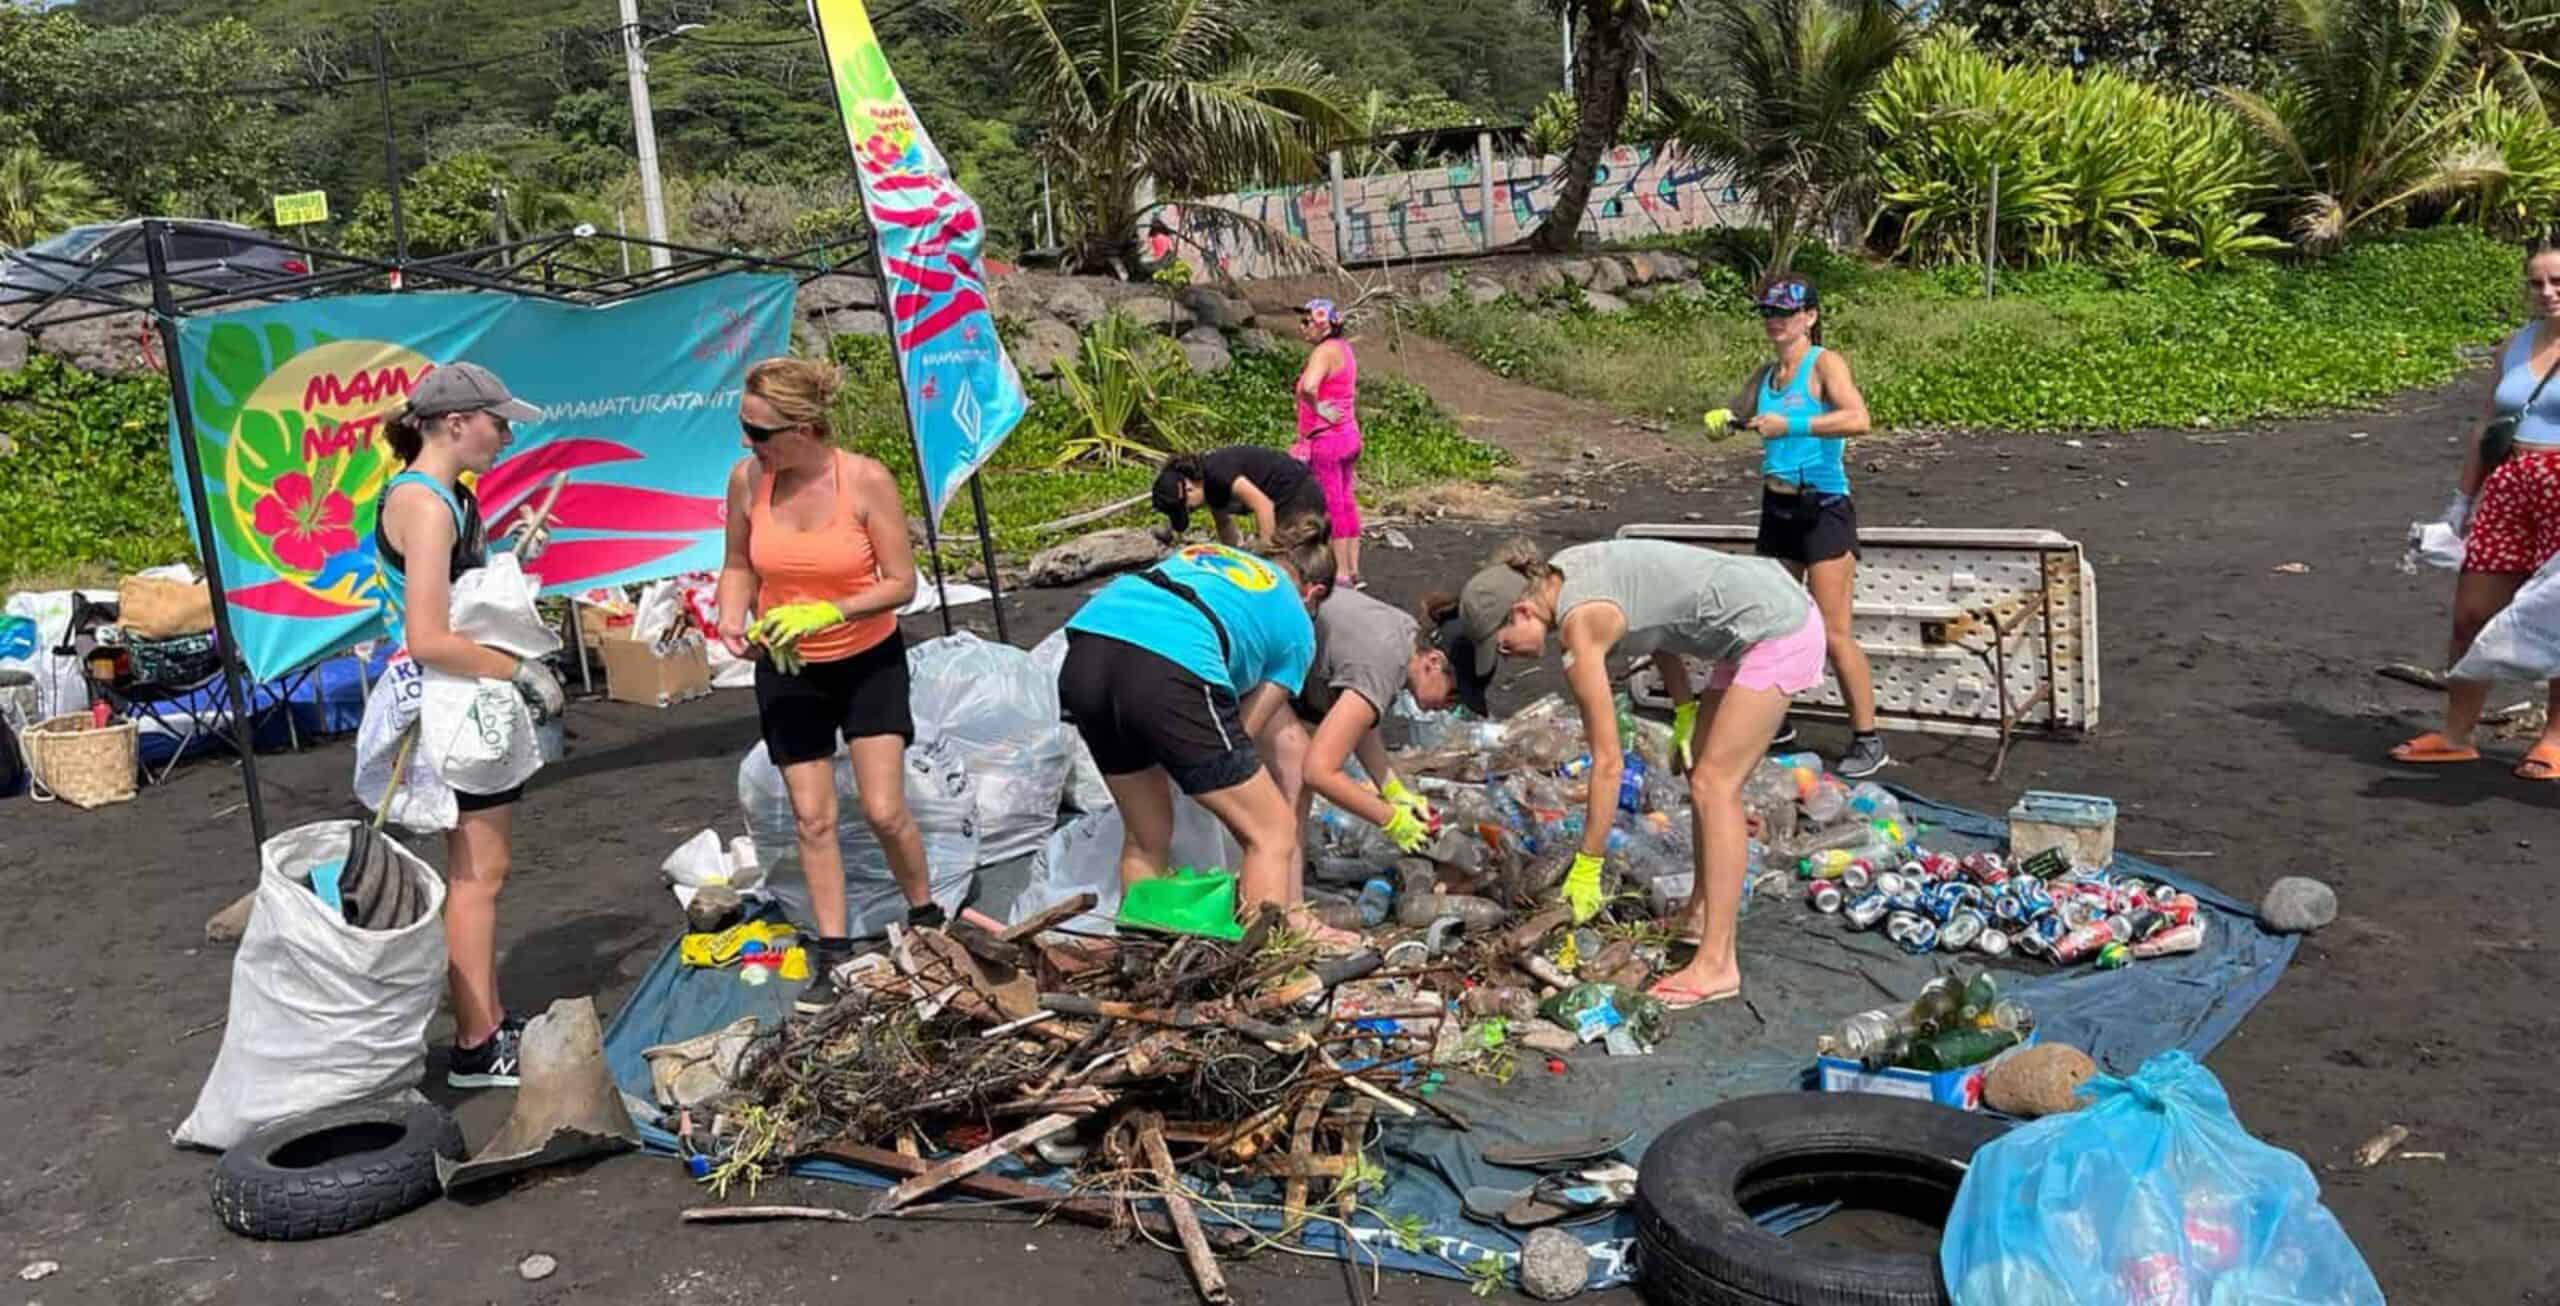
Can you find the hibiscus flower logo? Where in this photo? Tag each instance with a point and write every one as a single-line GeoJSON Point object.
{"type": "Point", "coordinates": [304, 530]}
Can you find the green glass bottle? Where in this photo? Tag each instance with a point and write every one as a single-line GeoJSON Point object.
{"type": "Point", "coordinates": [1958, 1048]}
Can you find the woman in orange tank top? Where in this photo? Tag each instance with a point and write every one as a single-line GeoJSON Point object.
{"type": "Point", "coordinates": [818, 550]}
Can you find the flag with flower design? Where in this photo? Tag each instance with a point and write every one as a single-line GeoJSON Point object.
{"type": "Point", "coordinates": [961, 389]}
{"type": "Point", "coordinates": [640, 408]}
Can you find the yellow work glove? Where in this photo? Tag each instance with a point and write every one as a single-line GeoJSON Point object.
{"type": "Point", "coordinates": [1684, 735]}
{"type": "Point", "coordinates": [1719, 422]}
{"type": "Point", "coordinates": [1582, 887]}
{"type": "Point", "coordinates": [1395, 793]}
{"type": "Point", "coordinates": [781, 630]}
{"type": "Point", "coordinates": [1406, 830]}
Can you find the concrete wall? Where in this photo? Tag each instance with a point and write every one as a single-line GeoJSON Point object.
{"type": "Point", "coordinates": [1440, 212]}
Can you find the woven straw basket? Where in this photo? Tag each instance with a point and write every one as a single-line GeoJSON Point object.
{"type": "Point", "coordinates": [82, 764]}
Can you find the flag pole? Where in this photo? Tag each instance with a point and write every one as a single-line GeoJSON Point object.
{"type": "Point", "coordinates": [906, 410]}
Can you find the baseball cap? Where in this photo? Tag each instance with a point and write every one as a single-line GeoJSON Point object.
{"type": "Point", "coordinates": [1168, 499]}
{"type": "Point", "coordinates": [1789, 295]}
{"type": "Point", "coordinates": [1485, 606]}
{"type": "Point", "coordinates": [467, 388]}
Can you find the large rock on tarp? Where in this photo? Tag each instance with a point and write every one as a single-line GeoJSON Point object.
{"type": "Point", "coordinates": [1097, 554]}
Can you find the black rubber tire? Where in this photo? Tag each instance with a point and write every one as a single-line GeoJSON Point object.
{"type": "Point", "coordinates": [334, 1171]}
{"type": "Point", "coordinates": [1698, 1247]}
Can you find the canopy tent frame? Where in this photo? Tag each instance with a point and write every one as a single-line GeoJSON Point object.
{"type": "Point", "coordinates": [564, 267]}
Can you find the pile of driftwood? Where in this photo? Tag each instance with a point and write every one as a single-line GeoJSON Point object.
{"type": "Point", "coordinates": [1249, 1065]}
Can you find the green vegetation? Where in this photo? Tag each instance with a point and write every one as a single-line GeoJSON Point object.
{"type": "Point", "coordinates": [1407, 441]}
{"type": "Point", "coordinates": [84, 475]}
{"type": "Point", "coordinates": [2066, 347]}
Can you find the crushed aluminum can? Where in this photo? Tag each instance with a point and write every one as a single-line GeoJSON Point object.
{"type": "Point", "coordinates": [1865, 911]}
{"type": "Point", "coordinates": [1917, 934]}
{"type": "Point", "coordinates": [1961, 929]}
{"type": "Point", "coordinates": [1992, 943]}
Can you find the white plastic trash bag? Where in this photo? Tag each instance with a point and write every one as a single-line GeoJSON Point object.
{"type": "Point", "coordinates": [941, 796]}
{"type": "Point", "coordinates": [477, 733]}
{"type": "Point", "coordinates": [2432, 544]}
{"type": "Point", "coordinates": [322, 1013]}
{"type": "Point", "coordinates": [990, 702]}
{"type": "Point", "coordinates": [1085, 855]}
{"type": "Point", "coordinates": [1085, 790]}
{"type": "Point", "coordinates": [700, 862]}
{"type": "Point", "coordinates": [2521, 643]}
{"type": "Point", "coordinates": [424, 803]}
{"type": "Point", "coordinates": [493, 605]}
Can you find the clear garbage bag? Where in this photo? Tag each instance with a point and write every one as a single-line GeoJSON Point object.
{"type": "Point", "coordinates": [991, 704]}
{"type": "Point", "coordinates": [2152, 1194]}
{"type": "Point", "coordinates": [1085, 854]}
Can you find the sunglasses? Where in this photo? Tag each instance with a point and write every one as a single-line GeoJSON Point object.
{"type": "Point", "coordinates": [1773, 310]}
{"type": "Point", "coordinates": [760, 434]}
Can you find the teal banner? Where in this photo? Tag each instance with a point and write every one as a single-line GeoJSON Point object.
{"type": "Point", "coordinates": [640, 408]}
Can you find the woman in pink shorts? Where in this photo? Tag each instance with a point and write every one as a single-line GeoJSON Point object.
{"type": "Point", "coordinates": [1329, 429]}
{"type": "Point", "coordinates": [1748, 616]}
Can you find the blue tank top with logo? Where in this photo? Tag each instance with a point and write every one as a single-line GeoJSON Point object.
{"type": "Point", "coordinates": [1270, 640]}
{"type": "Point", "coordinates": [1808, 460]}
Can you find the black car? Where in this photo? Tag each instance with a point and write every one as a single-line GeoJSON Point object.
{"type": "Point", "coordinates": [205, 258]}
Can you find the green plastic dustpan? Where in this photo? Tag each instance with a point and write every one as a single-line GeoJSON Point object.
{"type": "Point", "coordinates": [1187, 902]}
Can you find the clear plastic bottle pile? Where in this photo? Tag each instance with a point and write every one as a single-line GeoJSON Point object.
{"type": "Point", "coordinates": [1863, 860]}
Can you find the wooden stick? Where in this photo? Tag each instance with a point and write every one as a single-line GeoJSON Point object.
{"type": "Point", "coordinates": [1078, 519]}
{"type": "Point", "coordinates": [1094, 1211]}
{"type": "Point", "coordinates": [1056, 915]}
{"type": "Point", "coordinates": [970, 1162]}
{"type": "Point", "coordinates": [734, 1214]}
{"type": "Point", "coordinates": [1186, 1224]}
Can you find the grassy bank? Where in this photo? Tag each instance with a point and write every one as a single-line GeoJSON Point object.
{"type": "Point", "coordinates": [1406, 441]}
{"type": "Point", "coordinates": [2064, 348]}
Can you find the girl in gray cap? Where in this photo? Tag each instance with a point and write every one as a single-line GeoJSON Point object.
{"type": "Point", "coordinates": [1663, 600]}
{"type": "Point", "coordinates": [427, 532]}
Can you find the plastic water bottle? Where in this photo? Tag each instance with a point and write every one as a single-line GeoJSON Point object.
{"type": "Point", "coordinates": [1873, 802]}
{"type": "Point", "coordinates": [1377, 902]}
{"type": "Point", "coordinates": [1872, 1037]}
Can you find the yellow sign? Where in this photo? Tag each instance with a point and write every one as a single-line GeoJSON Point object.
{"type": "Point", "coordinates": [303, 209]}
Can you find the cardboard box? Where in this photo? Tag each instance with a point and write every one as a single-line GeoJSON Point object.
{"type": "Point", "coordinates": [2083, 826]}
{"type": "Point", "coordinates": [636, 673]}
{"type": "Point", "coordinates": [1960, 1088]}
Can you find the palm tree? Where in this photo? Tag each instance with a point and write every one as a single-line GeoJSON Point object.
{"type": "Point", "coordinates": [40, 197]}
{"type": "Point", "coordinates": [1611, 38]}
{"type": "Point", "coordinates": [2367, 113]}
{"type": "Point", "coordinates": [1142, 95]}
{"type": "Point", "coordinates": [1790, 122]}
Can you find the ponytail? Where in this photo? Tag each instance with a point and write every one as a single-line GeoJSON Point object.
{"type": "Point", "coordinates": [1300, 544]}
{"type": "Point", "coordinates": [405, 435]}
{"type": "Point", "coordinates": [1520, 554]}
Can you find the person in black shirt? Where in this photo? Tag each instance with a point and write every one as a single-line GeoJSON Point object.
{"type": "Point", "coordinates": [1266, 483]}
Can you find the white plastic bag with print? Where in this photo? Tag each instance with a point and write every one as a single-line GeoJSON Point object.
{"type": "Point", "coordinates": [423, 803]}
{"type": "Point", "coordinates": [990, 702]}
{"type": "Point", "coordinates": [477, 732]}
{"type": "Point", "coordinates": [2521, 643]}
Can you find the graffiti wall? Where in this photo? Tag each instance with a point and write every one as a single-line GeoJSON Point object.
{"type": "Point", "coordinates": [1439, 212]}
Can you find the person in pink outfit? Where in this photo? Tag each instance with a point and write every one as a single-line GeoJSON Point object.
{"type": "Point", "coordinates": [1328, 429]}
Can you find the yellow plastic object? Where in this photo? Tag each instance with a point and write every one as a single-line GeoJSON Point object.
{"type": "Point", "coordinates": [723, 948]}
{"type": "Point", "coordinates": [795, 964]}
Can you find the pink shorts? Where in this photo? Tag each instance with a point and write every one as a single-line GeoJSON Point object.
{"type": "Point", "coordinates": [1789, 664]}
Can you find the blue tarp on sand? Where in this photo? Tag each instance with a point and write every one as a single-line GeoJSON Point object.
{"type": "Point", "coordinates": [1803, 973]}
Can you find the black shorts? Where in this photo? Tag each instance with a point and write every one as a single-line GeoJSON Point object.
{"type": "Point", "coordinates": [463, 802]}
{"type": "Point", "coordinates": [1136, 710]}
{"type": "Point", "coordinates": [1806, 527]}
{"type": "Point", "coordinates": [803, 712]}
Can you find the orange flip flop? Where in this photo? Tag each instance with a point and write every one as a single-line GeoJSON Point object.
{"type": "Point", "coordinates": [2432, 749]}
{"type": "Point", "coordinates": [2543, 763]}
{"type": "Point", "coordinates": [1674, 997]}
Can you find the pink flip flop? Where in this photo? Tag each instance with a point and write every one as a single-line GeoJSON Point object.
{"type": "Point", "coordinates": [1674, 997]}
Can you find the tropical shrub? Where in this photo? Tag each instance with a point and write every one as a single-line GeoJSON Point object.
{"type": "Point", "coordinates": [2096, 165]}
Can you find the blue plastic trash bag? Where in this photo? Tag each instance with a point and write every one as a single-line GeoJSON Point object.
{"type": "Point", "coordinates": [2152, 1195]}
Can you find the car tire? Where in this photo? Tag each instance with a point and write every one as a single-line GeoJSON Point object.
{"type": "Point", "coordinates": [1699, 1246]}
{"type": "Point", "coordinates": [334, 1171]}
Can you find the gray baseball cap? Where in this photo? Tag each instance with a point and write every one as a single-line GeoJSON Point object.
{"type": "Point", "coordinates": [468, 388]}
{"type": "Point", "coordinates": [1485, 606]}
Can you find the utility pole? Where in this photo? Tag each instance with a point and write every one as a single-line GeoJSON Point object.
{"type": "Point", "coordinates": [1566, 14]}
{"type": "Point", "coordinates": [390, 146]}
{"type": "Point", "coordinates": [644, 133]}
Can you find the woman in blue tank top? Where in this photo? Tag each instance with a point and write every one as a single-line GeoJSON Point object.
{"type": "Point", "coordinates": [1805, 406]}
